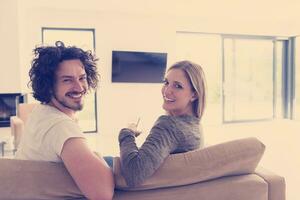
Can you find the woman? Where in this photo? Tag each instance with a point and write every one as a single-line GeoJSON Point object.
{"type": "Point", "coordinates": [176, 132]}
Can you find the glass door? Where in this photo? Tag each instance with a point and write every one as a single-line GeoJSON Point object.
{"type": "Point", "coordinates": [296, 112]}
{"type": "Point", "coordinates": [248, 79]}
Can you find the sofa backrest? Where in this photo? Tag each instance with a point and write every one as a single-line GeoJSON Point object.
{"type": "Point", "coordinates": [35, 180]}
{"type": "Point", "coordinates": [24, 179]}
{"type": "Point", "coordinates": [230, 158]}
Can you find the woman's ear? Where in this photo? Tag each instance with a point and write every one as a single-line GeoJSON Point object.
{"type": "Point", "coordinates": [194, 96]}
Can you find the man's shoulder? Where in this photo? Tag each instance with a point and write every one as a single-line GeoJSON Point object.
{"type": "Point", "coordinates": [47, 115]}
{"type": "Point", "coordinates": [49, 112]}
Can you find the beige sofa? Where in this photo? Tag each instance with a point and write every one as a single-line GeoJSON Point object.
{"type": "Point", "coordinates": [226, 171]}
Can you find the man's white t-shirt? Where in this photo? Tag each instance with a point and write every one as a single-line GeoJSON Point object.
{"type": "Point", "coordinates": [46, 131]}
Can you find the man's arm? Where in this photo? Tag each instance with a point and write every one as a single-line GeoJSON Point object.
{"type": "Point", "coordinates": [91, 173]}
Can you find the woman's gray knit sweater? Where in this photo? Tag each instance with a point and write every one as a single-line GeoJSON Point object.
{"type": "Point", "coordinates": [170, 134]}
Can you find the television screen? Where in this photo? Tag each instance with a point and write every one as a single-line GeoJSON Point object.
{"type": "Point", "coordinates": [138, 67]}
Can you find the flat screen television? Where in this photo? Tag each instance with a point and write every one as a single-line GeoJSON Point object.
{"type": "Point", "coordinates": [138, 67]}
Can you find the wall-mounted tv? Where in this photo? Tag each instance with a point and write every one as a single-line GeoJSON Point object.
{"type": "Point", "coordinates": [138, 67]}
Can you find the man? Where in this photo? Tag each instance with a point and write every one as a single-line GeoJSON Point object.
{"type": "Point", "coordinates": [60, 77]}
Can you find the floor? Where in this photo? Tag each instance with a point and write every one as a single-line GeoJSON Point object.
{"type": "Point", "coordinates": [280, 137]}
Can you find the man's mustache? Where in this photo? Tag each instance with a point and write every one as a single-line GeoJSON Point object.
{"type": "Point", "coordinates": [76, 93]}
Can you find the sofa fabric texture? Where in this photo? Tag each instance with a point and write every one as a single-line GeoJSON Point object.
{"type": "Point", "coordinates": [243, 187]}
{"type": "Point", "coordinates": [229, 158]}
{"type": "Point", "coordinates": [225, 171]}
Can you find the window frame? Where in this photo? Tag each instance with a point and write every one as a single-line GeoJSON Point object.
{"type": "Point", "coordinates": [283, 84]}
{"type": "Point", "coordinates": [43, 29]}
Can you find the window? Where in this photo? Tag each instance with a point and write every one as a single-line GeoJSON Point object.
{"type": "Point", "coordinates": [245, 74]}
{"type": "Point", "coordinates": [248, 79]}
{"type": "Point", "coordinates": [297, 79]}
{"type": "Point", "coordinates": [280, 61]}
{"type": "Point", "coordinates": [85, 39]}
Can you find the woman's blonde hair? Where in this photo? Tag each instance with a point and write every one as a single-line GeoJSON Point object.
{"type": "Point", "coordinates": [196, 77]}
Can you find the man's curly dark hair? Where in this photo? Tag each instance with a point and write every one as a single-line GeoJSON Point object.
{"type": "Point", "coordinates": [46, 61]}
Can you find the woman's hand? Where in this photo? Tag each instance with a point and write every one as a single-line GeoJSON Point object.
{"type": "Point", "coordinates": [133, 128]}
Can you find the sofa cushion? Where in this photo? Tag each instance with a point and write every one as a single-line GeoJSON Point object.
{"type": "Point", "coordinates": [230, 158]}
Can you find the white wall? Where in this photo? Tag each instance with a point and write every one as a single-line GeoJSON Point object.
{"type": "Point", "coordinates": [122, 103]}
{"type": "Point", "coordinates": [117, 104]}
{"type": "Point", "coordinates": [256, 17]}
{"type": "Point", "coordinates": [9, 50]}
{"type": "Point", "coordinates": [140, 25]}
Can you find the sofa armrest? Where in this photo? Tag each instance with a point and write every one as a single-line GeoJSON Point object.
{"type": "Point", "coordinates": [276, 183]}
{"type": "Point", "coordinates": [17, 127]}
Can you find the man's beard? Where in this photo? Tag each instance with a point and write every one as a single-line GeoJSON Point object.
{"type": "Point", "coordinates": [64, 103]}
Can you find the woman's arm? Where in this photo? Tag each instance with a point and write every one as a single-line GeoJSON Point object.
{"type": "Point", "coordinates": [139, 164]}
{"type": "Point", "coordinates": [92, 175]}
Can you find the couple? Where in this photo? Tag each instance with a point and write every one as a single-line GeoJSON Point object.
{"type": "Point", "coordinates": [60, 77]}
